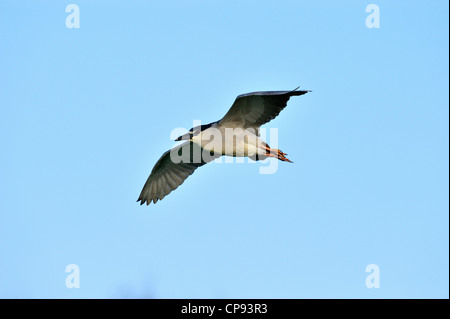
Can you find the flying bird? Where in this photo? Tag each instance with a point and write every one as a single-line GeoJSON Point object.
{"type": "Point", "coordinates": [236, 134]}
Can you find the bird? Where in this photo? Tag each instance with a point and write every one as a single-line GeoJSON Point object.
{"type": "Point", "coordinates": [236, 134]}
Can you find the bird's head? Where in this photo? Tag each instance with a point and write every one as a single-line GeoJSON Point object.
{"type": "Point", "coordinates": [195, 131]}
{"type": "Point", "coordinates": [189, 135]}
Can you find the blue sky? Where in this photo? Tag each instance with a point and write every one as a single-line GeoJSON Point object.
{"type": "Point", "coordinates": [86, 113]}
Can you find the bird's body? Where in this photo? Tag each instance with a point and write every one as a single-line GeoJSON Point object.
{"type": "Point", "coordinates": [236, 134]}
{"type": "Point", "coordinates": [230, 141]}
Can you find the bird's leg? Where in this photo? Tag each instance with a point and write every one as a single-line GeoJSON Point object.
{"type": "Point", "coordinates": [282, 157]}
{"type": "Point", "coordinates": [275, 153]}
{"type": "Point", "coordinates": [280, 152]}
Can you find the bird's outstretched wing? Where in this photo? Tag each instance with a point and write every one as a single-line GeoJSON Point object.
{"type": "Point", "coordinates": [172, 169]}
{"type": "Point", "coordinates": [257, 108]}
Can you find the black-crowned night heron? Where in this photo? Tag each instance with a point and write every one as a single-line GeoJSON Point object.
{"type": "Point", "coordinates": [236, 134]}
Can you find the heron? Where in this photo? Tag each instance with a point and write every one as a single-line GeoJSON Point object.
{"type": "Point", "coordinates": [205, 143]}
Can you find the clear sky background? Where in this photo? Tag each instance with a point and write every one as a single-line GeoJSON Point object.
{"type": "Point", "coordinates": [86, 113]}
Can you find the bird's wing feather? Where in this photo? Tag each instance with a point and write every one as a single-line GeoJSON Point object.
{"type": "Point", "coordinates": [171, 171]}
{"type": "Point", "coordinates": [257, 108]}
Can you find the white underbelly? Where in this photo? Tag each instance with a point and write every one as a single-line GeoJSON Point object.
{"type": "Point", "coordinates": [242, 143]}
{"type": "Point", "coordinates": [241, 149]}
{"type": "Point", "coordinates": [237, 143]}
